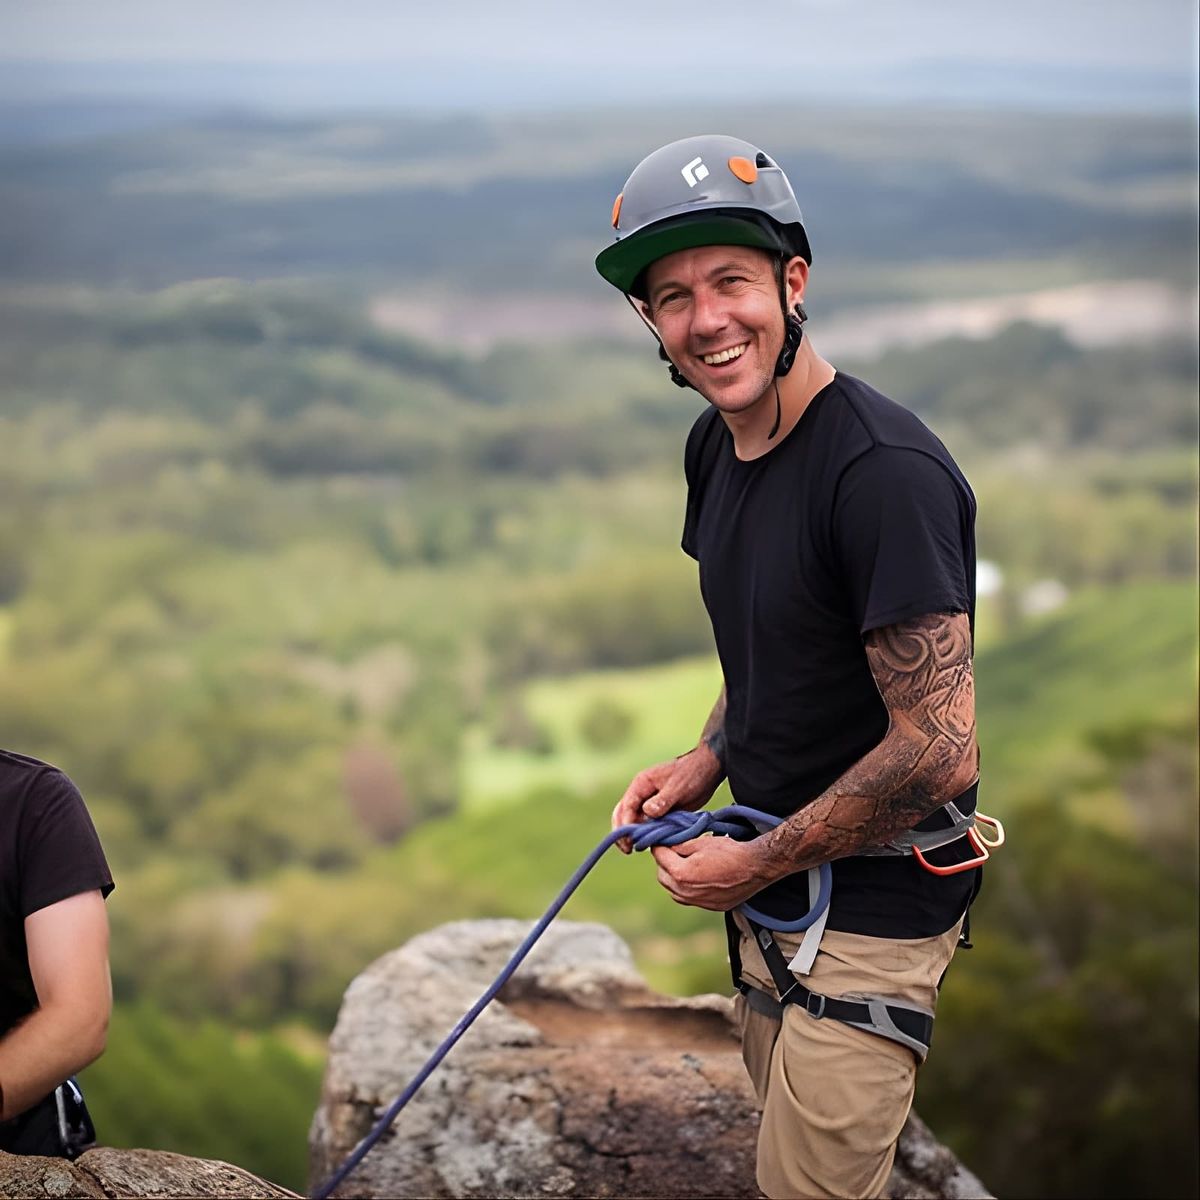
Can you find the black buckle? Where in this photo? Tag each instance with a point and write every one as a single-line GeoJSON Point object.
{"type": "Point", "coordinates": [818, 1011]}
{"type": "Point", "coordinates": [75, 1129]}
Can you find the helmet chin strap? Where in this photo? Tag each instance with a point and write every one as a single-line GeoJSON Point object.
{"type": "Point", "coordinates": [793, 335]}
{"type": "Point", "coordinates": [677, 376]}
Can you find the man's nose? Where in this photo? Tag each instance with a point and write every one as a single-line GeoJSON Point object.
{"type": "Point", "coordinates": [709, 316]}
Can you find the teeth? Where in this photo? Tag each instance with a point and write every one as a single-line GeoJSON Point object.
{"type": "Point", "coordinates": [724, 356]}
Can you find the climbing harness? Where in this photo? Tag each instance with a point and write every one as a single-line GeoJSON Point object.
{"type": "Point", "coordinates": [889, 1018]}
{"type": "Point", "coordinates": [898, 1021]}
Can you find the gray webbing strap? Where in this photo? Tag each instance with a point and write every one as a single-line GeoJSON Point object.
{"type": "Point", "coordinates": [924, 839]}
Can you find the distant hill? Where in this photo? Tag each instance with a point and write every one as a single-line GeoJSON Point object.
{"type": "Point", "coordinates": [522, 203]}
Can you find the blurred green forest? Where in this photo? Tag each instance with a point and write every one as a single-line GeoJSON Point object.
{"type": "Point", "coordinates": [342, 632]}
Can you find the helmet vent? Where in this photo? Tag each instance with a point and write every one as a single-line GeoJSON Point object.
{"type": "Point", "coordinates": [761, 160]}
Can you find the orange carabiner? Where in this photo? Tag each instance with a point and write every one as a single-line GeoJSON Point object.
{"type": "Point", "coordinates": [980, 819]}
{"type": "Point", "coordinates": [955, 868]}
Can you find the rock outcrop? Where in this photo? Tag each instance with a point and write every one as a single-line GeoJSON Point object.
{"type": "Point", "coordinates": [578, 1081]}
{"type": "Point", "coordinates": [103, 1173]}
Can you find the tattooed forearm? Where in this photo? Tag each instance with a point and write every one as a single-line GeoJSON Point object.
{"type": "Point", "coordinates": [713, 734]}
{"type": "Point", "coordinates": [716, 718]}
{"type": "Point", "coordinates": [928, 756]}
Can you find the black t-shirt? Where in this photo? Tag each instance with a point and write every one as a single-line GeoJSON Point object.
{"type": "Point", "coordinates": [48, 851]}
{"type": "Point", "coordinates": [857, 519]}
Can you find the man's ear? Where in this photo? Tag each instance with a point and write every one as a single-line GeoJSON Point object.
{"type": "Point", "coordinates": [646, 310]}
{"type": "Point", "coordinates": [795, 278]}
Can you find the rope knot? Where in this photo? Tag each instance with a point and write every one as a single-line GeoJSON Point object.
{"type": "Point", "coordinates": [669, 830]}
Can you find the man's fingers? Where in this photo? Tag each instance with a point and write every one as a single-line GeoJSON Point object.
{"type": "Point", "coordinates": [666, 857]}
{"type": "Point", "coordinates": [631, 808]}
{"type": "Point", "coordinates": [639, 799]}
{"type": "Point", "coordinates": [623, 817]}
{"type": "Point", "coordinates": [667, 882]}
{"type": "Point", "coordinates": [661, 802]}
{"type": "Point", "coordinates": [644, 784]}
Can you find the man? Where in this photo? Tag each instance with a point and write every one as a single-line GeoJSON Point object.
{"type": "Point", "coordinates": [835, 542]}
{"type": "Point", "coordinates": [55, 991]}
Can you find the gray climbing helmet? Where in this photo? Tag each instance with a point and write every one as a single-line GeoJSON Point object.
{"type": "Point", "coordinates": [710, 190]}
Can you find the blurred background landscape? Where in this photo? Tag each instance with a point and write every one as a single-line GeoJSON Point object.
{"type": "Point", "coordinates": [340, 504]}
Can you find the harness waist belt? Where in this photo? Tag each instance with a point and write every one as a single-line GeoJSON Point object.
{"type": "Point", "coordinates": [929, 839]}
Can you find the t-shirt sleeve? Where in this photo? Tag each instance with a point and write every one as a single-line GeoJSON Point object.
{"type": "Point", "coordinates": [60, 852]}
{"type": "Point", "coordinates": [901, 530]}
{"type": "Point", "coordinates": [691, 473]}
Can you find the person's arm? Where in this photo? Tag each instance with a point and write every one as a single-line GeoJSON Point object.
{"type": "Point", "coordinates": [67, 944]}
{"type": "Point", "coordinates": [686, 782]}
{"type": "Point", "coordinates": [928, 756]}
{"type": "Point", "coordinates": [713, 733]}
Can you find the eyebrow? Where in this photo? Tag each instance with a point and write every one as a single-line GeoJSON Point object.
{"type": "Point", "coordinates": [731, 264]}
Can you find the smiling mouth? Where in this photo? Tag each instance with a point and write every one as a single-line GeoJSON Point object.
{"type": "Point", "coordinates": [724, 356]}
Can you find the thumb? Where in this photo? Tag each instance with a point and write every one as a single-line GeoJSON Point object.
{"type": "Point", "coordinates": [656, 805]}
{"type": "Point", "coordinates": [662, 801]}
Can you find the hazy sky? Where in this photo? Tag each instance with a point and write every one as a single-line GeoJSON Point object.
{"type": "Point", "coordinates": [1139, 33]}
{"type": "Point", "coordinates": [705, 47]}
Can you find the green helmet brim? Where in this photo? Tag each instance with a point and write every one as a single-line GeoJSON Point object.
{"type": "Point", "coordinates": [624, 261]}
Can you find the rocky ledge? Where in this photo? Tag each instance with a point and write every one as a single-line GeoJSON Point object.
{"type": "Point", "coordinates": [105, 1173]}
{"type": "Point", "coordinates": [578, 1081]}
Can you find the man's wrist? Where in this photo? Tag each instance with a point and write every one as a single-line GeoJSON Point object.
{"type": "Point", "coordinates": [715, 741]}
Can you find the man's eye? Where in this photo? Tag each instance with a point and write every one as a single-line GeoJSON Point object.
{"type": "Point", "coordinates": [734, 279]}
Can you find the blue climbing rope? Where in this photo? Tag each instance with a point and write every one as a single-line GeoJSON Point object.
{"type": "Point", "coordinates": [736, 821]}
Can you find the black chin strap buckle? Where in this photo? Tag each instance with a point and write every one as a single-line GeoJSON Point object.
{"type": "Point", "coordinates": [676, 374]}
{"type": "Point", "coordinates": [793, 335]}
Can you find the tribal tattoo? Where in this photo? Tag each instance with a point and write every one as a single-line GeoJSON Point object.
{"type": "Point", "coordinates": [927, 757]}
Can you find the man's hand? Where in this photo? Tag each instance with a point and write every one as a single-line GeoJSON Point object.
{"type": "Point", "coordinates": [687, 782]}
{"type": "Point", "coordinates": [716, 873]}
{"type": "Point", "coordinates": [68, 960]}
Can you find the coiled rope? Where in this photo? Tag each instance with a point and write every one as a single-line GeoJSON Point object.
{"type": "Point", "coordinates": [736, 821]}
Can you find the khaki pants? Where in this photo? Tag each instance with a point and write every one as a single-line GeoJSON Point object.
{"type": "Point", "coordinates": [834, 1098]}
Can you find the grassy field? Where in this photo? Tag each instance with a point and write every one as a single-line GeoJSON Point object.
{"type": "Point", "coordinates": [1102, 660]}
{"type": "Point", "coordinates": [1113, 664]}
{"type": "Point", "coordinates": [666, 708]}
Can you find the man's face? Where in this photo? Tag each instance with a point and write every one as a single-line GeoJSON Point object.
{"type": "Point", "coordinates": [717, 310]}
